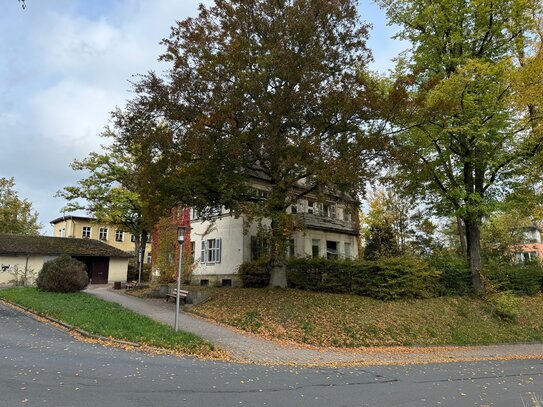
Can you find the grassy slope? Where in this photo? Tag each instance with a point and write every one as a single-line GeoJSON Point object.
{"type": "Point", "coordinates": [351, 321]}
{"type": "Point", "coordinates": [106, 318]}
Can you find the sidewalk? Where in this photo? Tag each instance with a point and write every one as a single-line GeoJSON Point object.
{"type": "Point", "coordinates": [249, 348]}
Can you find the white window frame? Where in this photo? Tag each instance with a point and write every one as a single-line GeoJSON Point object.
{"type": "Point", "coordinates": [316, 243]}
{"type": "Point", "coordinates": [86, 229]}
{"type": "Point", "coordinates": [346, 245]}
{"type": "Point", "coordinates": [101, 231]}
{"type": "Point", "coordinates": [210, 251]}
{"type": "Point", "coordinates": [119, 235]}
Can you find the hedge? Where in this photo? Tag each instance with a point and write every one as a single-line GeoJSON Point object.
{"type": "Point", "coordinates": [386, 279]}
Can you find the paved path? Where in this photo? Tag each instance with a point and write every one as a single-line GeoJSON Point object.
{"type": "Point", "coordinates": [249, 348]}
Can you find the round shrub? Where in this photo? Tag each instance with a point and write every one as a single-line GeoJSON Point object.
{"type": "Point", "coordinates": [63, 274]}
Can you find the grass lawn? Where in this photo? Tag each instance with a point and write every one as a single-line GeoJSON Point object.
{"type": "Point", "coordinates": [352, 321]}
{"type": "Point", "coordinates": [106, 319]}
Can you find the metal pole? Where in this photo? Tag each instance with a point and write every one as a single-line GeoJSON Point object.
{"type": "Point", "coordinates": [178, 287]}
{"type": "Point", "coordinates": [140, 263]}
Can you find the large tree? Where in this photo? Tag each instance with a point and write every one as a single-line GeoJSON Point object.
{"type": "Point", "coordinates": [16, 215]}
{"type": "Point", "coordinates": [275, 89]}
{"type": "Point", "coordinates": [464, 126]}
{"type": "Point", "coordinates": [115, 190]}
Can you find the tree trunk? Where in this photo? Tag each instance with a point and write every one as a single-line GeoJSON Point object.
{"type": "Point", "coordinates": [278, 274]}
{"type": "Point", "coordinates": [278, 267]}
{"type": "Point", "coordinates": [473, 240]}
{"type": "Point", "coordinates": [462, 236]}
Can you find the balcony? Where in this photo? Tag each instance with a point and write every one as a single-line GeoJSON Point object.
{"type": "Point", "coordinates": [319, 222]}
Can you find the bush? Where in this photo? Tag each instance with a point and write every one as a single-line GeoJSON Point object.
{"type": "Point", "coordinates": [63, 274]}
{"type": "Point", "coordinates": [505, 306]}
{"type": "Point", "coordinates": [517, 278]}
{"type": "Point", "coordinates": [385, 279]}
{"type": "Point", "coordinates": [455, 274]}
{"type": "Point", "coordinates": [133, 272]}
{"type": "Point", "coordinates": [254, 274]}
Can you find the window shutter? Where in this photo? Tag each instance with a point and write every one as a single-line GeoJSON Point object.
{"type": "Point", "coordinates": [219, 246]}
{"type": "Point", "coordinates": [203, 252]}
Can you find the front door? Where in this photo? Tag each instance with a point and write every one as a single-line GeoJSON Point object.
{"type": "Point", "coordinates": [99, 270]}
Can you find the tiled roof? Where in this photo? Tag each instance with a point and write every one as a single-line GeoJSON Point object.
{"type": "Point", "coordinates": [21, 244]}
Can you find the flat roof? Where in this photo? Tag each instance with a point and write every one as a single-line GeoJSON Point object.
{"type": "Point", "coordinates": [54, 246]}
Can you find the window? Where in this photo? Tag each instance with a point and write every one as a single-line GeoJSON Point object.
{"type": "Point", "coordinates": [290, 248]}
{"type": "Point", "coordinates": [86, 233]}
{"type": "Point", "coordinates": [132, 238]}
{"type": "Point", "coordinates": [119, 236]}
{"type": "Point", "coordinates": [259, 247]}
{"type": "Point", "coordinates": [315, 248]}
{"type": "Point", "coordinates": [347, 247]}
{"type": "Point", "coordinates": [311, 206]}
{"type": "Point", "coordinates": [204, 282]}
{"type": "Point", "coordinates": [331, 249]}
{"type": "Point", "coordinates": [62, 232]}
{"type": "Point", "coordinates": [102, 234]}
{"type": "Point", "coordinates": [260, 194]}
{"type": "Point", "coordinates": [192, 248]}
{"type": "Point", "coordinates": [211, 251]}
{"type": "Point", "coordinates": [149, 258]}
{"type": "Point", "coordinates": [526, 257]}
{"type": "Point", "coordinates": [226, 282]}
{"type": "Point", "coordinates": [329, 211]}
{"type": "Point", "coordinates": [346, 215]}
{"type": "Point", "coordinates": [194, 213]}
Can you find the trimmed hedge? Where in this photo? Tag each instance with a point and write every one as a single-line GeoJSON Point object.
{"type": "Point", "coordinates": [455, 274]}
{"type": "Point", "coordinates": [518, 278]}
{"type": "Point", "coordinates": [386, 279]}
{"type": "Point", "coordinates": [254, 274]}
{"type": "Point", "coordinates": [397, 277]}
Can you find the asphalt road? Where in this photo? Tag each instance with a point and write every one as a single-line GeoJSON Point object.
{"type": "Point", "coordinates": [43, 366]}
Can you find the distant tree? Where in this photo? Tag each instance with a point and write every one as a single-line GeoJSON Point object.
{"type": "Point", "coordinates": [272, 89]}
{"type": "Point", "coordinates": [466, 120]}
{"type": "Point", "coordinates": [115, 192]}
{"type": "Point", "coordinates": [16, 215]}
{"type": "Point", "coordinates": [381, 241]}
{"type": "Point", "coordinates": [411, 226]}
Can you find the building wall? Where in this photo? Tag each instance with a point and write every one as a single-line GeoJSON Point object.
{"type": "Point", "coordinates": [8, 265]}
{"type": "Point", "coordinates": [74, 228]}
{"type": "Point", "coordinates": [230, 231]}
{"type": "Point", "coordinates": [236, 246]}
{"type": "Point", "coordinates": [118, 269]}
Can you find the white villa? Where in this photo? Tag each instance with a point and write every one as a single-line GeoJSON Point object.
{"type": "Point", "coordinates": [220, 245]}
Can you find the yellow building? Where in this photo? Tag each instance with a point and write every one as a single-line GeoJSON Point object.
{"type": "Point", "coordinates": [83, 227]}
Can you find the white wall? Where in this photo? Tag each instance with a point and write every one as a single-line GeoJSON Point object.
{"type": "Point", "coordinates": [8, 264]}
{"type": "Point", "coordinates": [230, 231]}
{"type": "Point", "coordinates": [118, 269]}
{"type": "Point", "coordinates": [236, 245]}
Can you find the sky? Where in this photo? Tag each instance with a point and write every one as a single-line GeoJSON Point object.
{"type": "Point", "coordinates": [66, 64]}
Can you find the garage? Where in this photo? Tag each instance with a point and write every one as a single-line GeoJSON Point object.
{"type": "Point", "coordinates": [25, 255]}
